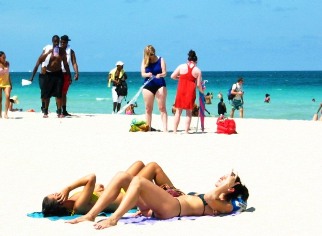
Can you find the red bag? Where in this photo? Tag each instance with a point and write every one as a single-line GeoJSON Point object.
{"type": "Point", "coordinates": [226, 126]}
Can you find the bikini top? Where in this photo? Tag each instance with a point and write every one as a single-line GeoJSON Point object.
{"type": "Point", "coordinates": [238, 203]}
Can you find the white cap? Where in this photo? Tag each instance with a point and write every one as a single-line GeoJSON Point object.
{"type": "Point", "coordinates": [119, 63]}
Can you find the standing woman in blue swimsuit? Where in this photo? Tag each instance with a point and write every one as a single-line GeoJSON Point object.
{"type": "Point", "coordinates": [154, 66]}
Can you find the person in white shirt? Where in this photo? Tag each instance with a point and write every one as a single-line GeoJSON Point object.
{"type": "Point", "coordinates": [238, 100]}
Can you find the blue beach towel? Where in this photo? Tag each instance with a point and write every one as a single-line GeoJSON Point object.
{"type": "Point", "coordinates": [54, 218]}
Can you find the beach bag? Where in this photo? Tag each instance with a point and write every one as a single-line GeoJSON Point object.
{"type": "Point", "coordinates": [121, 89]}
{"type": "Point", "coordinates": [172, 190]}
{"type": "Point", "coordinates": [230, 95]}
{"type": "Point", "coordinates": [226, 126]}
{"type": "Point", "coordinates": [139, 126]}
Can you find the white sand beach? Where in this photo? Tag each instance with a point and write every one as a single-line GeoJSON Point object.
{"type": "Point", "coordinates": [278, 160]}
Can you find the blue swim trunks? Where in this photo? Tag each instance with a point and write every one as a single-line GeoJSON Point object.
{"type": "Point", "coordinates": [237, 104]}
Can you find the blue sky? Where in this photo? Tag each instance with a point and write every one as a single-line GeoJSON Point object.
{"type": "Point", "coordinates": [228, 35]}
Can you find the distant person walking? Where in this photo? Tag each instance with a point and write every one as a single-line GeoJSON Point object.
{"type": "Point", "coordinates": [154, 66]}
{"type": "Point", "coordinates": [189, 76]}
{"type": "Point", "coordinates": [116, 77]}
{"type": "Point", "coordinates": [5, 83]}
{"type": "Point", "coordinates": [238, 100]}
{"type": "Point", "coordinates": [67, 80]}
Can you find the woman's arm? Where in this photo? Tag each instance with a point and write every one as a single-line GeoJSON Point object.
{"type": "Point", "coordinates": [85, 196]}
{"type": "Point", "coordinates": [88, 181]}
{"type": "Point", "coordinates": [176, 73]}
{"type": "Point", "coordinates": [199, 79]}
{"type": "Point", "coordinates": [214, 198]}
{"type": "Point", "coordinates": [164, 69]}
{"type": "Point", "coordinates": [9, 77]}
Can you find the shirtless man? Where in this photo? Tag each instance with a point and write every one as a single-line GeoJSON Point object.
{"type": "Point", "coordinates": [51, 76]}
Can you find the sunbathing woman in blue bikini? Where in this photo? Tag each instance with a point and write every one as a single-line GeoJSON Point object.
{"type": "Point", "coordinates": [228, 196]}
{"type": "Point", "coordinates": [59, 204]}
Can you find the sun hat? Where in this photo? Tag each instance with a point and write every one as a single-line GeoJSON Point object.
{"type": "Point", "coordinates": [119, 63]}
{"type": "Point", "coordinates": [15, 99]}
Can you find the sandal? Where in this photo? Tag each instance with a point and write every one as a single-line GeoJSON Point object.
{"type": "Point", "coordinates": [154, 130]}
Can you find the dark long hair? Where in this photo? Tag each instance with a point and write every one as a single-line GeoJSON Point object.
{"type": "Point", "coordinates": [50, 207]}
{"type": "Point", "coordinates": [240, 191]}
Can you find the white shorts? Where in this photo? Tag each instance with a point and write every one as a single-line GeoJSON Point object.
{"type": "Point", "coordinates": [115, 97]}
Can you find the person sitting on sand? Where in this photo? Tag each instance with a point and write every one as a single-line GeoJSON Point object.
{"type": "Point", "coordinates": [14, 100]}
{"type": "Point", "coordinates": [130, 109]}
{"type": "Point", "coordinates": [228, 196]}
{"type": "Point", "coordinates": [59, 204]}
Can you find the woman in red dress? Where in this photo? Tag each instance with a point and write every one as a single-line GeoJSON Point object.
{"type": "Point", "coordinates": [189, 76]}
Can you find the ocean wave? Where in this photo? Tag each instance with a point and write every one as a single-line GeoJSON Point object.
{"type": "Point", "coordinates": [103, 99]}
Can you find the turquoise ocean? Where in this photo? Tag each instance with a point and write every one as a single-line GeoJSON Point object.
{"type": "Point", "coordinates": [291, 93]}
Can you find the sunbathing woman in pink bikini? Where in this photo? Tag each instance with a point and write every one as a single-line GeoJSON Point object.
{"type": "Point", "coordinates": [228, 196]}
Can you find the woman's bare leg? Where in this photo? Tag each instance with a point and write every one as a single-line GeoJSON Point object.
{"type": "Point", "coordinates": [188, 120]}
{"type": "Point", "coordinates": [111, 192]}
{"type": "Point", "coordinates": [148, 97]}
{"type": "Point", "coordinates": [143, 191]}
{"type": "Point", "coordinates": [7, 102]}
{"type": "Point", "coordinates": [161, 96]}
{"type": "Point", "coordinates": [135, 168]}
{"type": "Point", "coordinates": [177, 120]}
{"type": "Point", "coordinates": [0, 102]}
{"type": "Point", "coordinates": [153, 171]}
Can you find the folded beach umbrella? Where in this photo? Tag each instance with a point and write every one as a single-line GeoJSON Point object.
{"type": "Point", "coordinates": [201, 114]}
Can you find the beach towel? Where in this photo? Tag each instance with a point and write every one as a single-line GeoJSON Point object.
{"type": "Point", "coordinates": [54, 218]}
{"type": "Point", "coordinates": [128, 218]}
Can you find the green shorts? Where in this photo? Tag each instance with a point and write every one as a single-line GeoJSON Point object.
{"type": "Point", "coordinates": [237, 104]}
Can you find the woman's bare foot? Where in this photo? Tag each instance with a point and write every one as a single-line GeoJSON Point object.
{"type": "Point", "coordinates": [109, 222]}
{"type": "Point", "coordinates": [80, 219]}
{"type": "Point", "coordinates": [6, 116]}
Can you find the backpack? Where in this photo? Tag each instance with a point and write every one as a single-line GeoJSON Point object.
{"type": "Point", "coordinates": [121, 89]}
{"type": "Point", "coordinates": [230, 95]}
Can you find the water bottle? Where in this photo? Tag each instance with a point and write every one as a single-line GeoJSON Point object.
{"type": "Point", "coordinates": [56, 51]}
